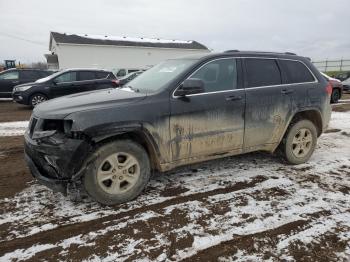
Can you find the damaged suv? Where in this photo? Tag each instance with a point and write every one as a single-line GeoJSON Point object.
{"type": "Point", "coordinates": [179, 112]}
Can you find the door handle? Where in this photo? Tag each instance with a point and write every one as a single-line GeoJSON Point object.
{"type": "Point", "coordinates": [287, 91]}
{"type": "Point", "coordinates": [15, 82]}
{"type": "Point", "coordinates": [233, 98]}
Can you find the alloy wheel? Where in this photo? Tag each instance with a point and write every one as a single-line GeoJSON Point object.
{"type": "Point", "coordinates": [302, 143]}
{"type": "Point", "coordinates": [118, 173]}
{"type": "Point", "coordinates": [37, 99]}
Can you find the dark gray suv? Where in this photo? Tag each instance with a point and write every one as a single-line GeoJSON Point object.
{"type": "Point", "coordinates": [179, 112]}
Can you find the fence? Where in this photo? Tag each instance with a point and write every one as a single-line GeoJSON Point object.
{"type": "Point", "coordinates": [333, 65]}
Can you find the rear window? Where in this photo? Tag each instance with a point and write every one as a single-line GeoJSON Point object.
{"type": "Point", "coordinates": [262, 72]}
{"type": "Point", "coordinates": [296, 72]}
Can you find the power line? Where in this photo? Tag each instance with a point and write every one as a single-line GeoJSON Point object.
{"type": "Point", "coordinates": [23, 39]}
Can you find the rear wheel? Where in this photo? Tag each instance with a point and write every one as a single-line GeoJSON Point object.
{"type": "Point", "coordinates": [300, 142]}
{"type": "Point", "coordinates": [119, 174]}
{"type": "Point", "coordinates": [335, 95]}
{"type": "Point", "coordinates": [37, 99]}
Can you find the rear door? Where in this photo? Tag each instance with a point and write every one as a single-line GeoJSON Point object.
{"type": "Point", "coordinates": [7, 81]}
{"type": "Point", "coordinates": [265, 108]}
{"type": "Point", "coordinates": [87, 81]}
{"type": "Point", "coordinates": [103, 80]}
{"type": "Point", "coordinates": [210, 123]}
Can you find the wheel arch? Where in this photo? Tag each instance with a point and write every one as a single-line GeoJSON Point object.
{"type": "Point", "coordinates": [140, 136]}
{"type": "Point", "coordinates": [313, 115]}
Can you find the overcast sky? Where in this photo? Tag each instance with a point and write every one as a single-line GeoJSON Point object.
{"type": "Point", "coordinates": [315, 28]}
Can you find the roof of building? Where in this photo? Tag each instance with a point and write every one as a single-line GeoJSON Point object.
{"type": "Point", "coordinates": [123, 41]}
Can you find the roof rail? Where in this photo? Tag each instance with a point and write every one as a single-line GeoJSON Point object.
{"type": "Point", "coordinates": [231, 51]}
{"type": "Point", "coordinates": [290, 53]}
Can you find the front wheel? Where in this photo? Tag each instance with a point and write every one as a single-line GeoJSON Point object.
{"type": "Point", "coordinates": [119, 174]}
{"type": "Point", "coordinates": [37, 99]}
{"type": "Point", "coordinates": [300, 142]}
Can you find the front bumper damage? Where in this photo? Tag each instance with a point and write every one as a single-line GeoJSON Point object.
{"type": "Point", "coordinates": [57, 161]}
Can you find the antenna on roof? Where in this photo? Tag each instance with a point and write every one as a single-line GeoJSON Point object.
{"type": "Point", "coordinates": [290, 53]}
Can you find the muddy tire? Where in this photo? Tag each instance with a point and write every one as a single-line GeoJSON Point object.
{"type": "Point", "coordinates": [119, 174]}
{"type": "Point", "coordinates": [299, 142]}
{"type": "Point", "coordinates": [335, 95]}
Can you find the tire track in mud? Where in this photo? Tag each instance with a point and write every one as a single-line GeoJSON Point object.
{"type": "Point", "coordinates": [62, 232]}
{"type": "Point", "coordinates": [251, 243]}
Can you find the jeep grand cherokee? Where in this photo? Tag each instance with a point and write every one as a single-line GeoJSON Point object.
{"type": "Point", "coordinates": [179, 112]}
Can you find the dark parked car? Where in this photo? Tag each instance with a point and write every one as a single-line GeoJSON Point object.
{"type": "Point", "coordinates": [179, 112]}
{"type": "Point", "coordinates": [13, 77]}
{"type": "Point", "coordinates": [63, 83]}
{"type": "Point", "coordinates": [126, 79]}
{"type": "Point", "coordinates": [337, 88]}
{"type": "Point", "coordinates": [346, 85]}
{"type": "Point", "coordinates": [342, 76]}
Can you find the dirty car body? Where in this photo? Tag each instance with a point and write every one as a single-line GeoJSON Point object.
{"type": "Point", "coordinates": [238, 108]}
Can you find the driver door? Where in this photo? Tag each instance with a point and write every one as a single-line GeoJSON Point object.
{"type": "Point", "coordinates": [212, 122]}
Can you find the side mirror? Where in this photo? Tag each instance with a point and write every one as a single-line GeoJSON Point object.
{"type": "Point", "coordinates": [190, 86]}
{"type": "Point", "coordinates": [54, 82]}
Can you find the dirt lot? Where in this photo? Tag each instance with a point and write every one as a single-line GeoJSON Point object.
{"type": "Point", "coordinates": [250, 208]}
{"type": "Point", "coordinates": [10, 111]}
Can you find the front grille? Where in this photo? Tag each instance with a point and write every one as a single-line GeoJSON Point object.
{"type": "Point", "coordinates": [32, 125]}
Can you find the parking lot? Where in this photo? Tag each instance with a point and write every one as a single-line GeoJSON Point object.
{"type": "Point", "coordinates": [253, 205]}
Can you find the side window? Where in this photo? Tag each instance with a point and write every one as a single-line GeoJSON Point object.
{"type": "Point", "coordinates": [218, 75]}
{"type": "Point", "coordinates": [262, 72]}
{"type": "Point", "coordinates": [121, 72]}
{"type": "Point", "coordinates": [296, 72]}
{"type": "Point", "coordinates": [13, 75]}
{"type": "Point", "coordinates": [28, 74]}
{"type": "Point", "coordinates": [101, 75]}
{"type": "Point", "coordinates": [66, 77]}
{"type": "Point", "coordinates": [86, 75]}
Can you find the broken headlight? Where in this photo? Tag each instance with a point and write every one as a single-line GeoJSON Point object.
{"type": "Point", "coordinates": [49, 127]}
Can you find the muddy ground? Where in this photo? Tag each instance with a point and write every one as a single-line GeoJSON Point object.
{"type": "Point", "coordinates": [250, 208]}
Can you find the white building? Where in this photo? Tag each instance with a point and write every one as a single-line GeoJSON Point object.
{"type": "Point", "coordinates": [115, 53]}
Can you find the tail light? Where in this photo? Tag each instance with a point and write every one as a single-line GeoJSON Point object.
{"type": "Point", "coordinates": [115, 82]}
{"type": "Point", "coordinates": [329, 89]}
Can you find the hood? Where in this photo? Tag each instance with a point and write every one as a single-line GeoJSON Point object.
{"type": "Point", "coordinates": [61, 107]}
{"type": "Point", "coordinates": [27, 84]}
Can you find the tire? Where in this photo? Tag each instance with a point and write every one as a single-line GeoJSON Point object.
{"type": "Point", "coordinates": [108, 182]}
{"type": "Point", "coordinates": [299, 142]}
{"type": "Point", "coordinates": [335, 95]}
{"type": "Point", "coordinates": [37, 99]}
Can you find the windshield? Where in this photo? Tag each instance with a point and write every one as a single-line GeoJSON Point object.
{"type": "Point", "coordinates": [157, 77]}
{"type": "Point", "coordinates": [42, 80]}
